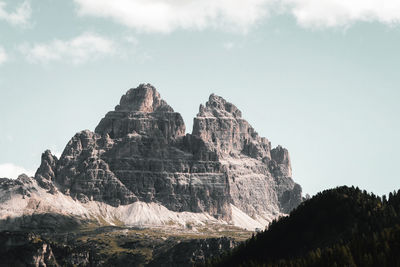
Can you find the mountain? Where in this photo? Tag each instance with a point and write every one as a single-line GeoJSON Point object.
{"type": "Point", "coordinates": [139, 167]}
{"type": "Point", "coordinates": [338, 227]}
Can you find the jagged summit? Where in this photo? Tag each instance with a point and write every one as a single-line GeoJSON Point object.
{"type": "Point", "coordinates": [220, 124]}
{"type": "Point", "coordinates": [139, 153]}
{"type": "Point", "coordinates": [217, 106]}
{"type": "Point", "coordinates": [144, 98]}
{"type": "Point", "coordinates": [141, 110]}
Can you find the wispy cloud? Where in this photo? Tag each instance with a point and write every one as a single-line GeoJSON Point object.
{"type": "Point", "coordinates": [20, 16]}
{"type": "Point", "coordinates": [78, 50]}
{"type": "Point", "coordinates": [333, 13]}
{"type": "Point", "coordinates": [3, 55]}
{"type": "Point", "coordinates": [9, 170]}
{"type": "Point", "coordinates": [169, 15]}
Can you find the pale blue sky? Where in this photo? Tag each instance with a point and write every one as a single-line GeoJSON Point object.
{"type": "Point", "coordinates": [320, 78]}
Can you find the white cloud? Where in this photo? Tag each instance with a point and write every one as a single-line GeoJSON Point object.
{"type": "Point", "coordinates": [78, 50]}
{"type": "Point", "coordinates": [170, 15]}
{"type": "Point", "coordinates": [333, 13]}
{"type": "Point", "coordinates": [20, 16]}
{"type": "Point", "coordinates": [3, 55]}
{"type": "Point", "coordinates": [9, 170]}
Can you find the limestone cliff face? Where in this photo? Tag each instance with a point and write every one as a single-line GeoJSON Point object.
{"type": "Point", "coordinates": [45, 174]}
{"type": "Point", "coordinates": [83, 172]}
{"type": "Point", "coordinates": [220, 125]}
{"type": "Point", "coordinates": [142, 111]}
{"type": "Point", "coordinates": [259, 178]}
{"type": "Point", "coordinates": [140, 151]}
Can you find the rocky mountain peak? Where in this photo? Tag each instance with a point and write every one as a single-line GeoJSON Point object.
{"type": "Point", "coordinates": [45, 174]}
{"type": "Point", "coordinates": [217, 106]}
{"type": "Point", "coordinates": [280, 164]}
{"type": "Point", "coordinates": [220, 125]}
{"type": "Point", "coordinates": [142, 111]}
{"type": "Point", "coordinates": [144, 98]}
{"type": "Point", "coordinates": [139, 152]}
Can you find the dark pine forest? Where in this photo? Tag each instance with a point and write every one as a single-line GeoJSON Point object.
{"type": "Point", "coordinates": [344, 226]}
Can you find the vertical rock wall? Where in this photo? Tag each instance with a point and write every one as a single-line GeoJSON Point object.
{"type": "Point", "coordinates": [140, 151]}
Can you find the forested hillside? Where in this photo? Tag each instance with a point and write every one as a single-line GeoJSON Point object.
{"type": "Point", "coordinates": [337, 227]}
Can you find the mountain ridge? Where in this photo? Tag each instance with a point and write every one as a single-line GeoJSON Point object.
{"type": "Point", "coordinates": [140, 152]}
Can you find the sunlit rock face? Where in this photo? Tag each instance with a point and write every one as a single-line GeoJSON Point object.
{"type": "Point", "coordinates": [221, 126]}
{"type": "Point", "coordinates": [259, 178]}
{"type": "Point", "coordinates": [142, 111]}
{"type": "Point", "coordinates": [140, 152]}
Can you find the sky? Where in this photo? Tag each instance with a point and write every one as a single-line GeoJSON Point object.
{"type": "Point", "coordinates": [319, 77]}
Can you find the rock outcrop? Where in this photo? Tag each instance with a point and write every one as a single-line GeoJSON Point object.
{"type": "Point", "coordinates": [83, 172]}
{"type": "Point", "coordinates": [46, 173]}
{"type": "Point", "coordinates": [259, 178]}
{"type": "Point", "coordinates": [25, 249]}
{"type": "Point", "coordinates": [140, 152]}
{"type": "Point", "coordinates": [142, 111]}
{"type": "Point", "coordinates": [193, 252]}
